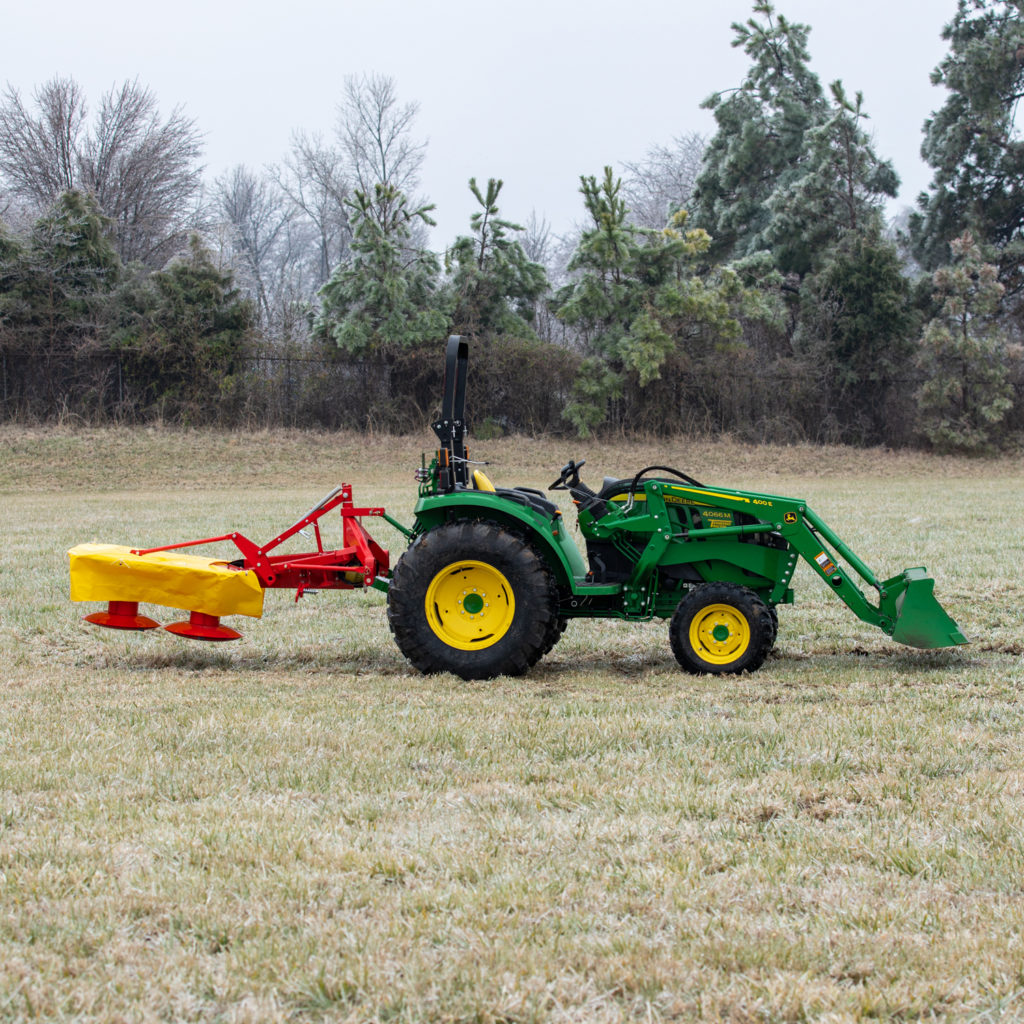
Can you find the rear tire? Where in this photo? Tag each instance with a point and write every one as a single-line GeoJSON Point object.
{"type": "Point", "coordinates": [721, 628]}
{"type": "Point", "coordinates": [555, 630]}
{"type": "Point", "coordinates": [474, 599]}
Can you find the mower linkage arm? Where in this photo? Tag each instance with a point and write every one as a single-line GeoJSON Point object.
{"type": "Point", "coordinates": [359, 560]}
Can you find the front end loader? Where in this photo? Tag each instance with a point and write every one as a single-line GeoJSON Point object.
{"type": "Point", "coordinates": [492, 575]}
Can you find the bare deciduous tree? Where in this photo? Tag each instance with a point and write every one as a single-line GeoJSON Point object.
{"type": "Point", "coordinates": [373, 146]}
{"type": "Point", "coordinates": [536, 239]}
{"type": "Point", "coordinates": [663, 181]}
{"type": "Point", "coordinates": [37, 154]}
{"type": "Point", "coordinates": [258, 215]}
{"type": "Point", "coordinates": [314, 178]}
{"type": "Point", "coordinates": [143, 172]}
{"type": "Point", "coordinates": [141, 169]}
{"type": "Point", "coordinates": [376, 133]}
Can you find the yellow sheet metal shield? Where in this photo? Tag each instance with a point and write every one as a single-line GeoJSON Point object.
{"type": "Point", "coordinates": [109, 572]}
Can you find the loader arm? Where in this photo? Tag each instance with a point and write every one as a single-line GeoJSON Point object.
{"type": "Point", "coordinates": [907, 609]}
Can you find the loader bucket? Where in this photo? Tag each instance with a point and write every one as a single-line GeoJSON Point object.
{"type": "Point", "coordinates": [920, 621]}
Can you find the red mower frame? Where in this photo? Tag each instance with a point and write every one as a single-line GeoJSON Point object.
{"type": "Point", "coordinates": [360, 563]}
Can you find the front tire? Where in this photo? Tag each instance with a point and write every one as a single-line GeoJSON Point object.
{"type": "Point", "coordinates": [474, 599]}
{"type": "Point", "coordinates": [721, 628]}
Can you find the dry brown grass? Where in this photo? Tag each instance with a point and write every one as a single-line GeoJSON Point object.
{"type": "Point", "coordinates": [145, 458]}
{"type": "Point", "coordinates": [297, 827]}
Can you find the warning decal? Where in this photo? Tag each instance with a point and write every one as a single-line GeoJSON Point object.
{"type": "Point", "coordinates": [825, 563]}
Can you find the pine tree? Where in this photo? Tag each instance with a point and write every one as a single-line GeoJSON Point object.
{"type": "Point", "coordinates": [55, 289]}
{"type": "Point", "coordinates": [761, 145]}
{"type": "Point", "coordinates": [856, 337]}
{"type": "Point", "coordinates": [494, 286]}
{"type": "Point", "coordinates": [967, 392]}
{"type": "Point", "coordinates": [972, 143]}
{"type": "Point", "coordinates": [636, 298]}
{"type": "Point", "coordinates": [840, 189]}
{"type": "Point", "coordinates": [385, 298]}
{"type": "Point", "coordinates": [793, 179]}
{"type": "Point", "coordinates": [182, 334]}
{"type": "Point", "coordinates": [855, 326]}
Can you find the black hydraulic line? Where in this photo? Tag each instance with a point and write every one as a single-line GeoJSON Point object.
{"type": "Point", "coordinates": [661, 469]}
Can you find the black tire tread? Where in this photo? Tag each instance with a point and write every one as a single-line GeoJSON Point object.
{"type": "Point", "coordinates": [556, 627]}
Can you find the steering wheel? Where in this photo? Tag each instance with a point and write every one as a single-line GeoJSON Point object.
{"type": "Point", "coordinates": [569, 477]}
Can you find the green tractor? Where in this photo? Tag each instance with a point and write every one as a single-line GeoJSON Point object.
{"type": "Point", "coordinates": [491, 575]}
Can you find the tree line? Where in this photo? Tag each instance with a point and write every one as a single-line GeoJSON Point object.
{"type": "Point", "coordinates": [747, 282]}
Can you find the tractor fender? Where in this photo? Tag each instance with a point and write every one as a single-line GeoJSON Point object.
{"type": "Point", "coordinates": [548, 534]}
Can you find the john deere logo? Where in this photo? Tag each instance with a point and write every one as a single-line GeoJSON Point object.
{"type": "Point", "coordinates": [789, 517]}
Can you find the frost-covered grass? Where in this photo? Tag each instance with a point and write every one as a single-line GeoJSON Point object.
{"type": "Point", "coordinates": [296, 826]}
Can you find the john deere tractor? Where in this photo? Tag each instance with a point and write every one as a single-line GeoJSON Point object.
{"type": "Point", "coordinates": [491, 575]}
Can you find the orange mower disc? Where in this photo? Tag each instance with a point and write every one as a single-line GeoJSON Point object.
{"type": "Point", "coordinates": [203, 627]}
{"type": "Point", "coordinates": [122, 615]}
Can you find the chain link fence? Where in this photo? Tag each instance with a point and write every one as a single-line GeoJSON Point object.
{"type": "Point", "coordinates": [514, 387]}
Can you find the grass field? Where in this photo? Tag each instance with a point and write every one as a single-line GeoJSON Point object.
{"type": "Point", "coordinates": [296, 826]}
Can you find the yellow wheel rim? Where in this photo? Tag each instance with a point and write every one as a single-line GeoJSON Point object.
{"type": "Point", "coordinates": [720, 634]}
{"type": "Point", "coordinates": [470, 605]}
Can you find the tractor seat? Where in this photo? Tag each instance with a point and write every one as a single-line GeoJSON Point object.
{"type": "Point", "coordinates": [529, 497]}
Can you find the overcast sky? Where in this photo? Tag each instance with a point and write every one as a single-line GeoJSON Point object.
{"type": "Point", "coordinates": [537, 92]}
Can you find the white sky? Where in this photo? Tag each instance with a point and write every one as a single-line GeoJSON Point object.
{"type": "Point", "coordinates": [536, 92]}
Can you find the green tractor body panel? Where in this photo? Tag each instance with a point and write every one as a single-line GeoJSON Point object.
{"type": "Point", "coordinates": [648, 549]}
